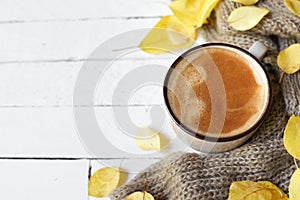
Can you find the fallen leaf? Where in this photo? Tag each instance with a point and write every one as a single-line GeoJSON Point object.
{"type": "Point", "coordinates": [246, 2]}
{"type": "Point", "coordinates": [288, 59]}
{"type": "Point", "coordinates": [167, 35]}
{"type": "Point", "coordinates": [206, 10]}
{"type": "Point", "coordinates": [291, 137]}
{"type": "Point", "coordinates": [293, 6]}
{"type": "Point", "coordinates": [140, 196]}
{"type": "Point", "coordinates": [249, 190]}
{"type": "Point", "coordinates": [294, 190]}
{"type": "Point", "coordinates": [277, 193]}
{"type": "Point", "coordinates": [103, 181]}
{"type": "Point", "coordinates": [243, 189]}
{"type": "Point", "coordinates": [186, 10]}
{"type": "Point", "coordinates": [246, 17]}
{"type": "Point", "coordinates": [148, 139]}
{"type": "Point", "coordinates": [194, 13]}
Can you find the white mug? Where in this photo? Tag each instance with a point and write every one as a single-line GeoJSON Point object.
{"type": "Point", "coordinates": [216, 142]}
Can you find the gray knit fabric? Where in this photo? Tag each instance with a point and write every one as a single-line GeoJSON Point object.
{"type": "Point", "coordinates": [183, 176]}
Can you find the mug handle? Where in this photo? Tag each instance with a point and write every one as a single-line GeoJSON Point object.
{"type": "Point", "coordinates": [258, 49]}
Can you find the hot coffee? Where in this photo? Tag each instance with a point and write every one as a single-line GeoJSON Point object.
{"type": "Point", "coordinates": [217, 90]}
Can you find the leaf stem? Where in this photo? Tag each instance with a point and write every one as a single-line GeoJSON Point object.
{"type": "Point", "coordinates": [145, 185]}
{"type": "Point", "coordinates": [295, 161]}
{"type": "Point", "coordinates": [281, 77]}
{"type": "Point", "coordinates": [125, 48]}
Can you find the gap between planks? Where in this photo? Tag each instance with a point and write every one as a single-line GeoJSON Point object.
{"type": "Point", "coordinates": [79, 60]}
{"type": "Point", "coordinates": [83, 106]}
{"type": "Point", "coordinates": [79, 158]}
{"type": "Point", "coordinates": [77, 20]}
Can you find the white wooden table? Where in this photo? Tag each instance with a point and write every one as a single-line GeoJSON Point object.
{"type": "Point", "coordinates": [43, 45]}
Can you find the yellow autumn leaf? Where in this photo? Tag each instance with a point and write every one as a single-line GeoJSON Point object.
{"type": "Point", "coordinates": [140, 196]}
{"type": "Point", "coordinates": [246, 2]}
{"type": "Point", "coordinates": [277, 193]}
{"type": "Point", "coordinates": [193, 13]}
{"type": "Point", "coordinates": [288, 59]}
{"type": "Point", "coordinates": [291, 137]}
{"type": "Point", "coordinates": [294, 190]}
{"type": "Point", "coordinates": [244, 189]}
{"type": "Point", "coordinates": [249, 190]}
{"type": "Point", "coordinates": [246, 17]}
{"type": "Point", "coordinates": [103, 181]}
{"type": "Point", "coordinates": [148, 139]}
{"type": "Point", "coordinates": [186, 10]}
{"type": "Point", "coordinates": [260, 194]}
{"type": "Point", "coordinates": [167, 35]}
{"type": "Point", "coordinates": [206, 10]}
{"type": "Point", "coordinates": [293, 6]}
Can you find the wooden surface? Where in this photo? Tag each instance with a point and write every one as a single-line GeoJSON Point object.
{"type": "Point", "coordinates": [43, 46]}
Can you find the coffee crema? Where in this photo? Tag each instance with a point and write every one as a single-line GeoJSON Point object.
{"type": "Point", "coordinates": [216, 90]}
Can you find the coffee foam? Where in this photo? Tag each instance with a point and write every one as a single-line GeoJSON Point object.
{"type": "Point", "coordinates": [189, 82]}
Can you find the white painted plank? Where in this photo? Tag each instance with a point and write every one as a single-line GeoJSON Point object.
{"type": "Point", "coordinates": [58, 132]}
{"type": "Point", "coordinates": [62, 41]}
{"type": "Point", "coordinates": [46, 179]}
{"type": "Point", "coordinates": [53, 84]}
{"type": "Point", "coordinates": [39, 132]}
{"type": "Point", "coordinates": [31, 10]}
{"type": "Point", "coordinates": [27, 42]}
{"type": "Point", "coordinates": [39, 84]}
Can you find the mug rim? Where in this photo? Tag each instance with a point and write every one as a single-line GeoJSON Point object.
{"type": "Point", "coordinates": [210, 138]}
